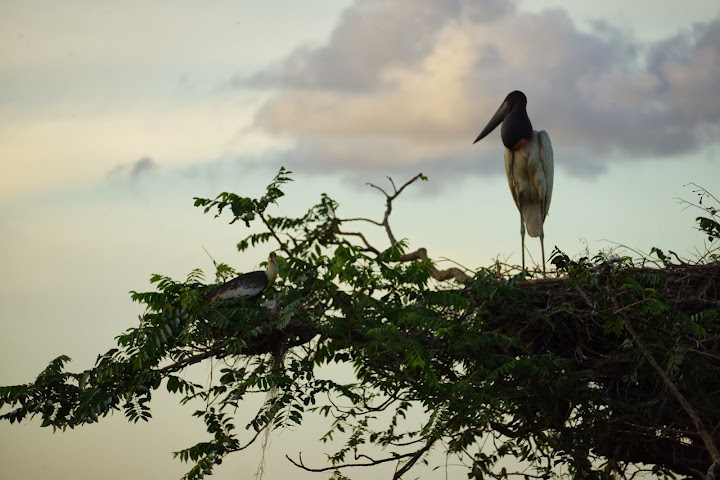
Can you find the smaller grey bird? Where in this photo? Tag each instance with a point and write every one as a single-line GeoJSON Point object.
{"type": "Point", "coordinates": [250, 285]}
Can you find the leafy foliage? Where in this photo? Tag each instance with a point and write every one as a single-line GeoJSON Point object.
{"type": "Point", "coordinates": [557, 374]}
{"type": "Point", "coordinates": [709, 223]}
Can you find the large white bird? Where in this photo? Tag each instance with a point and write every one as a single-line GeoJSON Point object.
{"type": "Point", "coordinates": [250, 285]}
{"type": "Point", "coordinates": [528, 164]}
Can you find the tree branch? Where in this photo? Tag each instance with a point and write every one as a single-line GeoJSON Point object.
{"type": "Point", "coordinates": [420, 254]}
{"type": "Point", "coordinates": [362, 237]}
{"type": "Point", "coordinates": [416, 456]}
{"type": "Point", "coordinates": [388, 202]}
{"type": "Point", "coordinates": [272, 231]}
{"type": "Point", "coordinates": [440, 275]}
{"type": "Point", "coordinates": [215, 351]}
{"type": "Point", "coordinates": [697, 421]}
{"type": "Point", "coordinates": [371, 463]}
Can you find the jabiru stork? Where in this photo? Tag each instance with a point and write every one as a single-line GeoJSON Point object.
{"type": "Point", "coordinates": [528, 165]}
{"type": "Point", "coordinates": [250, 285]}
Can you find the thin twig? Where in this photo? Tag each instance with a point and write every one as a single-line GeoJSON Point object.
{"type": "Point", "coordinates": [217, 351]}
{"type": "Point", "coordinates": [362, 220]}
{"type": "Point", "coordinates": [281, 244]}
{"type": "Point", "coordinates": [388, 202]}
{"type": "Point", "coordinates": [257, 434]}
{"type": "Point", "coordinates": [371, 463]}
{"type": "Point", "coordinates": [362, 237]}
{"type": "Point", "coordinates": [414, 459]}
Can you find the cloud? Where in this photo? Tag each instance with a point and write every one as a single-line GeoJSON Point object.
{"type": "Point", "coordinates": [371, 36]}
{"type": "Point", "coordinates": [408, 84]}
{"type": "Point", "coordinates": [142, 166]}
{"type": "Point", "coordinates": [137, 169]}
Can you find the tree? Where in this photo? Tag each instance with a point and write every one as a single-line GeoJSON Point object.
{"type": "Point", "coordinates": [607, 369]}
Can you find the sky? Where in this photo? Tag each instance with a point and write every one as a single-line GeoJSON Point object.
{"type": "Point", "coordinates": [113, 116]}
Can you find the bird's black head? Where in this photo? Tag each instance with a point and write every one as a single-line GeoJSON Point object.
{"type": "Point", "coordinates": [513, 115]}
{"type": "Point", "coordinates": [516, 98]}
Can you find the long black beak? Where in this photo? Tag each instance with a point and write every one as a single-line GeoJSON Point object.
{"type": "Point", "coordinates": [495, 120]}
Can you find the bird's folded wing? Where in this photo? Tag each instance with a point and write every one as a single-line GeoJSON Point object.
{"type": "Point", "coordinates": [247, 285]}
{"type": "Point", "coordinates": [546, 160]}
{"type": "Point", "coordinates": [509, 171]}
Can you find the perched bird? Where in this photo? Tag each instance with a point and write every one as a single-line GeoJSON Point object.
{"type": "Point", "coordinates": [250, 285]}
{"type": "Point", "coordinates": [528, 164]}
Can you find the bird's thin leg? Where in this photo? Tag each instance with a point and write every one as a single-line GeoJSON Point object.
{"type": "Point", "coordinates": [542, 234]}
{"type": "Point", "coordinates": [522, 245]}
{"type": "Point", "coordinates": [522, 236]}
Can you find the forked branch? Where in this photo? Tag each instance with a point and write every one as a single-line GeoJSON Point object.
{"type": "Point", "coordinates": [452, 273]}
{"type": "Point", "coordinates": [389, 199]}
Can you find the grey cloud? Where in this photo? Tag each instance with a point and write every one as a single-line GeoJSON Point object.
{"type": "Point", "coordinates": [408, 84]}
{"type": "Point", "coordinates": [142, 166]}
{"type": "Point", "coordinates": [133, 170]}
{"type": "Point", "coordinates": [371, 35]}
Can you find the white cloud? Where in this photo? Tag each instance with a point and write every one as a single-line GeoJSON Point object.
{"type": "Point", "coordinates": [407, 83]}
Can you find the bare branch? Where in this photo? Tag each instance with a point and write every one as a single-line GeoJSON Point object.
{"type": "Point", "coordinates": [252, 440]}
{"type": "Point", "coordinates": [375, 186]}
{"type": "Point", "coordinates": [362, 237]}
{"type": "Point", "coordinates": [281, 244]}
{"type": "Point", "coordinates": [416, 456]}
{"type": "Point", "coordinates": [393, 184]}
{"type": "Point", "coordinates": [702, 191]}
{"type": "Point", "coordinates": [370, 463]}
{"type": "Point", "coordinates": [217, 351]}
{"type": "Point", "coordinates": [440, 275]}
{"type": "Point", "coordinates": [412, 180]}
{"type": "Point", "coordinates": [388, 201]}
{"type": "Point", "coordinates": [680, 261]}
{"type": "Point", "coordinates": [362, 220]}
{"type": "Point", "coordinates": [452, 273]}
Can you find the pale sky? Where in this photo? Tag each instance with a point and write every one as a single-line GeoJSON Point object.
{"type": "Point", "coordinates": [113, 115]}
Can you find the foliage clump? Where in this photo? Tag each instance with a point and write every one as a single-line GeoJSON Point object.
{"type": "Point", "coordinates": [604, 369]}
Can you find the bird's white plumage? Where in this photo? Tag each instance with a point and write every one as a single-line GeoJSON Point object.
{"type": "Point", "coordinates": [530, 172]}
